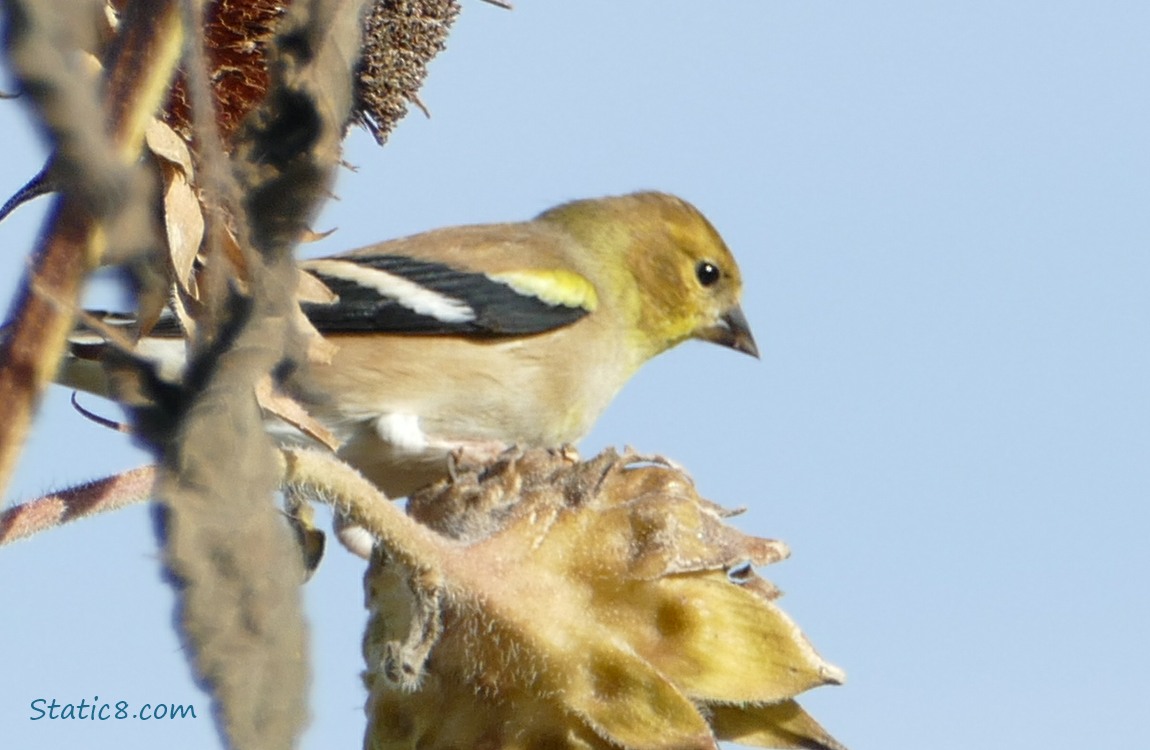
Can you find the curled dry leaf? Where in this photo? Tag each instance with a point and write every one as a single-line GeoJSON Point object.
{"type": "Point", "coordinates": [241, 271]}
{"type": "Point", "coordinates": [187, 310]}
{"type": "Point", "coordinates": [311, 235]}
{"type": "Point", "coordinates": [169, 146]}
{"type": "Point", "coordinates": [279, 404]}
{"type": "Point", "coordinates": [183, 214]}
{"type": "Point", "coordinates": [183, 226]}
{"type": "Point", "coordinates": [311, 289]}
{"type": "Point", "coordinates": [601, 604]}
{"type": "Point", "coordinates": [186, 301]}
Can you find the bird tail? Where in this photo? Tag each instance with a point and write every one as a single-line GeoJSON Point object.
{"type": "Point", "coordinates": [101, 333]}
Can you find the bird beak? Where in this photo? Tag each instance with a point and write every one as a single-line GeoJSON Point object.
{"type": "Point", "coordinates": [732, 331]}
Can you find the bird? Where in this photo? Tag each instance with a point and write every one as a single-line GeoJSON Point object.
{"type": "Point", "coordinates": [473, 339]}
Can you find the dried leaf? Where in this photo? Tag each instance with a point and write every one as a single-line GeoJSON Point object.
{"type": "Point", "coordinates": [235, 255]}
{"type": "Point", "coordinates": [166, 144]}
{"type": "Point", "coordinates": [152, 296]}
{"type": "Point", "coordinates": [276, 402]}
{"type": "Point", "coordinates": [311, 289]}
{"type": "Point", "coordinates": [313, 236]}
{"type": "Point", "coordinates": [183, 225]}
{"type": "Point", "coordinates": [183, 213]}
{"type": "Point", "coordinates": [186, 309]}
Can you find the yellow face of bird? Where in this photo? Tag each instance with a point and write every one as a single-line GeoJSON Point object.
{"type": "Point", "coordinates": [708, 279]}
{"type": "Point", "coordinates": [682, 281]}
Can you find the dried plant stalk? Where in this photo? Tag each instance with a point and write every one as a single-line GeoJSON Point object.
{"type": "Point", "coordinates": [101, 200]}
{"type": "Point", "coordinates": [101, 496]}
{"type": "Point", "coordinates": [234, 562]}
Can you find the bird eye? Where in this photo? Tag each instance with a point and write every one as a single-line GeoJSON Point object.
{"type": "Point", "coordinates": [707, 273]}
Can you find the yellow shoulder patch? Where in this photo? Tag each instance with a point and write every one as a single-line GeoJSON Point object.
{"type": "Point", "coordinates": [553, 286]}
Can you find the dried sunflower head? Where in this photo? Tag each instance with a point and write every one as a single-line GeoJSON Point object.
{"type": "Point", "coordinates": [601, 604]}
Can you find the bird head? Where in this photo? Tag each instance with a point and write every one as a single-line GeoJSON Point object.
{"type": "Point", "coordinates": [682, 281]}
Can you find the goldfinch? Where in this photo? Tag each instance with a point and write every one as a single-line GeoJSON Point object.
{"type": "Point", "coordinates": [477, 338]}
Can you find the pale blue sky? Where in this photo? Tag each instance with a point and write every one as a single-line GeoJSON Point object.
{"type": "Point", "coordinates": [941, 211]}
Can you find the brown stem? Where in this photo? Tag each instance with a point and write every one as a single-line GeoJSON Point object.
{"type": "Point", "coordinates": [141, 65]}
{"type": "Point", "coordinates": [100, 496]}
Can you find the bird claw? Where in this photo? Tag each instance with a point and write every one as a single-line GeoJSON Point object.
{"type": "Point", "coordinates": [474, 454]}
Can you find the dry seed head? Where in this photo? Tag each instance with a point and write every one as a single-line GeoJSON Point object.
{"type": "Point", "coordinates": [601, 604]}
